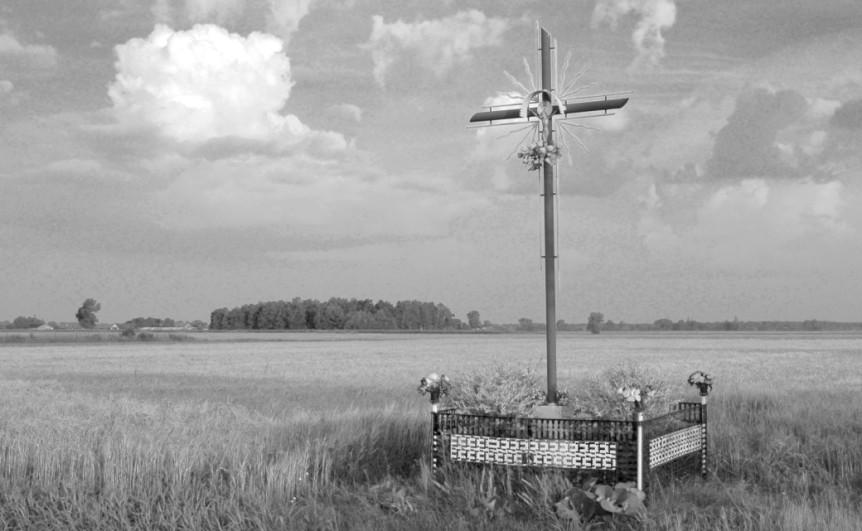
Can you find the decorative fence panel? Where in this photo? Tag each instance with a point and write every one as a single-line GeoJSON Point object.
{"type": "Point", "coordinates": [610, 450]}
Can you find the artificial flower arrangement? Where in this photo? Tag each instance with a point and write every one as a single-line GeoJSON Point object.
{"type": "Point", "coordinates": [636, 395]}
{"type": "Point", "coordinates": [434, 385]}
{"type": "Point", "coordinates": [702, 381]}
{"type": "Point", "coordinates": [534, 155]}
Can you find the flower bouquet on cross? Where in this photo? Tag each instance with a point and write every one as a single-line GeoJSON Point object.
{"type": "Point", "coordinates": [534, 155]}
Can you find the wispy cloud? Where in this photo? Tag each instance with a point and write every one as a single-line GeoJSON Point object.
{"type": "Point", "coordinates": [213, 10]}
{"type": "Point", "coordinates": [285, 16]}
{"type": "Point", "coordinates": [282, 17]}
{"type": "Point", "coordinates": [345, 111]}
{"type": "Point", "coordinates": [220, 11]}
{"type": "Point", "coordinates": [436, 45]}
{"type": "Point", "coordinates": [654, 16]}
{"type": "Point", "coordinates": [14, 53]}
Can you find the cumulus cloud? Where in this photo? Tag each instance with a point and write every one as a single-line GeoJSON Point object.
{"type": "Point", "coordinates": [206, 83]}
{"type": "Point", "coordinates": [747, 145]}
{"type": "Point", "coordinates": [6, 87]}
{"type": "Point", "coordinates": [654, 16]}
{"type": "Point", "coordinates": [228, 157]}
{"type": "Point", "coordinates": [437, 44]}
{"type": "Point", "coordinates": [14, 53]}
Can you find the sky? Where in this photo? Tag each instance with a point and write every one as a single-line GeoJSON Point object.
{"type": "Point", "coordinates": [170, 157]}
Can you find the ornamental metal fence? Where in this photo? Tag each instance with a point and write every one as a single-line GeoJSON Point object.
{"type": "Point", "coordinates": [608, 450]}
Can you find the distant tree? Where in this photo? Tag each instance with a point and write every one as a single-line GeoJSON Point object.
{"type": "Point", "coordinates": [473, 319]}
{"type": "Point", "coordinates": [811, 324]}
{"type": "Point", "coordinates": [295, 318]}
{"type": "Point", "coordinates": [86, 314]}
{"type": "Point", "coordinates": [27, 322]}
{"type": "Point", "coordinates": [217, 319]}
{"type": "Point", "coordinates": [663, 324]}
{"type": "Point", "coordinates": [331, 316]}
{"type": "Point", "coordinates": [594, 323]}
{"type": "Point", "coordinates": [525, 324]}
{"type": "Point", "coordinates": [732, 325]}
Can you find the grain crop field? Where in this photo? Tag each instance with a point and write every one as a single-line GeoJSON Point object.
{"type": "Point", "coordinates": [326, 431]}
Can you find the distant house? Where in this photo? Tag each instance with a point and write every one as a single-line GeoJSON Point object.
{"type": "Point", "coordinates": [44, 327]}
{"type": "Point", "coordinates": [114, 327]}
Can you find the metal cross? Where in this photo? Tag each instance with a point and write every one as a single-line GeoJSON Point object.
{"type": "Point", "coordinates": [545, 105]}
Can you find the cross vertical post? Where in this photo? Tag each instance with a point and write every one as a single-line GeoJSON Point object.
{"type": "Point", "coordinates": [539, 107]}
{"type": "Point", "coordinates": [550, 243]}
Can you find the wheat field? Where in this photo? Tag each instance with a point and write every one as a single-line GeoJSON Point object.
{"type": "Point", "coordinates": [326, 431]}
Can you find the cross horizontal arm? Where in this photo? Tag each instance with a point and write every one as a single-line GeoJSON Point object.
{"type": "Point", "coordinates": [514, 113]}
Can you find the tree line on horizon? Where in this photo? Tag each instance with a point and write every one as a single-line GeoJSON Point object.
{"type": "Point", "coordinates": [336, 314]}
{"type": "Point", "coordinates": [596, 324]}
{"type": "Point", "coordinates": [364, 314]}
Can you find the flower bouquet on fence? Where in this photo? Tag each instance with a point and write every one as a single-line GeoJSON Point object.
{"type": "Point", "coordinates": [435, 386]}
{"type": "Point", "coordinates": [702, 381]}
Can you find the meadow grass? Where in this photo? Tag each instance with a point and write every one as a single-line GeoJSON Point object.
{"type": "Point", "coordinates": [331, 435]}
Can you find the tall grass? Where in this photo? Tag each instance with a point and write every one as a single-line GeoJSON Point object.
{"type": "Point", "coordinates": [38, 338]}
{"type": "Point", "coordinates": [173, 450]}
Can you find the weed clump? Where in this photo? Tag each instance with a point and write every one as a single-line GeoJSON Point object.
{"type": "Point", "coordinates": [603, 396]}
{"type": "Point", "coordinates": [502, 390]}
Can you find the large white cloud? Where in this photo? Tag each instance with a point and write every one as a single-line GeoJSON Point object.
{"type": "Point", "coordinates": [206, 83]}
{"type": "Point", "coordinates": [436, 44]}
{"type": "Point", "coordinates": [227, 157]}
{"type": "Point", "coordinates": [654, 16]}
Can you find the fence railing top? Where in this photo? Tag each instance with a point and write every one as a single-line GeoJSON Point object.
{"type": "Point", "coordinates": [453, 413]}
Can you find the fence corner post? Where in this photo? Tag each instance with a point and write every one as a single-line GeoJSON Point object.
{"type": "Point", "coordinates": [639, 428]}
{"type": "Point", "coordinates": [435, 439]}
{"type": "Point", "coordinates": [704, 452]}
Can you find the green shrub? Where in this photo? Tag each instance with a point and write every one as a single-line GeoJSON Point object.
{"type": "Point", "coordinates": [146, 336]}
{"type": "Point", "coordinates": [505, 390]}
{"type": "Point", "coordinates": [513, 390]}
{"type": "Point", "coordinates": [601, 397]}
{"type": "Point", "coordinates": [180, 337]}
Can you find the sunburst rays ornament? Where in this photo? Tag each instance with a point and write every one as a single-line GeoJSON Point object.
{"type": "Point", "coordinates": [545, 102]}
